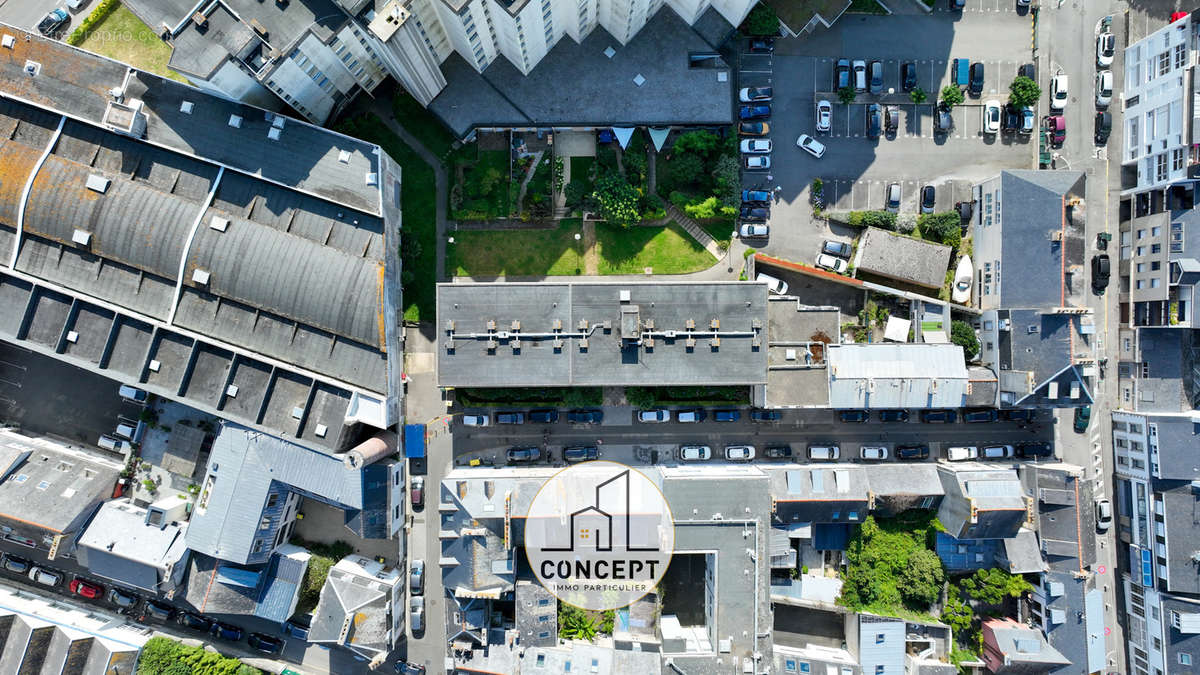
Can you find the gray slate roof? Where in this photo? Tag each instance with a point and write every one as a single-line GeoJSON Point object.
{"type": "Point", "coordinates": [1032, 262]}
{"type": "Point", "coordinates": [48, 485]}
{"type": "Point", "coordinates": [1167, 382]}
{"type": "Point", "coordinates": [1040, 344]}
{"type": "Point", "coordinates": [994, 495]}
{"type": "Point", "coordinates": [903, 258]}
{"type": "Point", "coordinates": [351, 595]}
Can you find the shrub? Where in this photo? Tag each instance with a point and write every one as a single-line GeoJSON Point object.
{"type": "Point", "coordinates": [164, 656]}
{"type": "Point", "coordinates": [963, 335]}
{"type": "Point", "coordinates": [98, 15]}
{"type": "Point", "coordinates": [701, 143]}
{"type": "Point", "coordinates": [726, 176]}
{"type": "Point", "coordinates": [686, 168]}
{"type": "Point", "coordinates": [940, 226]}
{"type": "Point", "coordinates": [882, 219]}
{"type": "Point", "coordinates": [991, 586]}
{"type": "Point", "coordinates": [847, 95]}
{"type": "Point", "coordinates": [952, 95]}
{"type": "Point", "coordinates": [578, 193]}
{"type": "Point", "coordinates": [906, 223]}
{"type": "Point", "coordinates": [618, 200]}
{"type": "Point", "coordinates": [705, 209]}
{"type": "Point", "coordinates": [918, 95]}
{"type": "Point", "coordinates": [640, 397]}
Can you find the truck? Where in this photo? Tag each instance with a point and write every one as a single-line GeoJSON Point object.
{"type": "Point", "coordinates": [961, 72]}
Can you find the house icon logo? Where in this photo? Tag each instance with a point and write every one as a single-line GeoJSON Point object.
{"type": "Point", "coordinates": [599, 535]}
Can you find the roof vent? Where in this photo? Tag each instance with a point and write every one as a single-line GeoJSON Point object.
{"type": "Point", "coordinates": [8, 41]}
{"type": "Point", "coordinates": [98, 183]}
{"type": "Point", "coordinates": [274, 133]}
{"type": "Point", "coordinates": [625, 295]}
{"type": "Point", "coordinates": [231, 391]}
{"type": "Point", "coordinates": [200, 277]}
{"type": "Point", "coordinates": [187, 107]}
{"type": "Point", "coordinates": [235, 121]}
{"type": "Point", "coordinates": [1033, 329]}
{"type": "Point", "coordinates": [322, 430]}
{"type": "Point", "coordinates": [278, 121]}
{"type": "Point", "coordinates": [372, 178]}
{"type": "Point", "coordinates": [32, 68]}
{"type": "Point", "coordinates": [72, 336]}
{"type": "Point", "coordinates": [219, 223]}
{"type": "Point", "coordinates": [199, 19]}
{"type": "Point", "coordinates": [155, 365]}
{"type": "Point", "coordinates": [344, 156]}
{"type": "Point", "coordinates": [81, 237]}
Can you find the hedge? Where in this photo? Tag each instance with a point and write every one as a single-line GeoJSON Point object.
{"type": "Point", "coordinates": [99, 14]}
{"type": "Point", "coordinates": [164, 656]}
{"type": "Point", "coordinates": [882, 219]}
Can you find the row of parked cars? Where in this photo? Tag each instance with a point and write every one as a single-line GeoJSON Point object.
{"type": "Point", "coordinates": [541, 416]}
{"type": "Point", "coordinates": [655, 415]}
{"type": "Point", "coordinates": [941, 416]}
{"type": "Point", "coordinates": [831, 452]}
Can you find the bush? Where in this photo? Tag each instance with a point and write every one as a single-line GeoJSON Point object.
{"type": "Point", "coordinates": [921, 580]}
{"type": "Point", "coordinates": [847, 95]}
{"type": "Point", "coordinates": [762, 20]}
{"type": "Point", "coordinates": [578, 194]}
{"type": "Point", "coordinates": [918, 95]}
{"type": "Point", "coordinates": [881, 219]}
{"type": "Point", "coordinates": [640, 397]}
{"type": "Point", "coordinates": [685, 169]}
{"type": "Point", "coordinates": [98, 15]}
{"type": "Point", "coordinates": [963, 335]}
{"type": "Point", "coordinates": [940, 226]}
{"type": "Point", "coordinates": [164, 656]}
{"type": "Point", "coordinates": [705, 209]}
{"type": "Point", "coordinates": [906, 223]}
{"type": "Point", "coordinates": [578, 397]}
{"type": "Point", "coordinates": [726, 177]}
{"type": "Point", "coordinates": [618, 200]}
{"type": "Point", "coordinates": [952, 95]}
{"type": "Point", "coordinates": [701, 143]}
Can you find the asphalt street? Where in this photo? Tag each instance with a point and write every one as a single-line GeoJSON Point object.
{"type": "Point", "coordinates": [27, 13]}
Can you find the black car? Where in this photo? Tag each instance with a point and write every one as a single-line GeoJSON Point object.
{"type": "Point", "coordinates": [841, 74]}
{"type": "Point", "coordinates": [854, 415]}
{"type": "Point", "coordinates": [585, 416]}
{"type": "Point", "coordinates": [1100, 272]}
{"type": "Point", "coordinates": [264, 643]}
{"type": "Point", "coordinates": [1035, 449]}
{"type": "Point", "coordinates": [762, 45]}
{"type": "Point", "coordinates": [1027, 70]}
{"type": "Point", "coordinates": [121, 598]}
{"type": "Point", "coordinates": [53, 21]}
{"type": "Point", "coordinates": [977, 416]}
{"type": "Point", "coordinates": [779, 451]}
{"type": "Point", "coordinates": [975, 82]}
{"type": "Point", "coordinates": [839, 249]}
{"type": "Point", "coordinates": [908, 76]}
{"type": "Point", "coordinates": [765, 415]}
{"type": "Point", "coordinates": [928, 199]}
{"type": "Point", "coordinates": [13, 563]}
{"type": "Point", "coordinates": [874, 120]}
{"type": "Point", "coordinates": [524, 454]}
{"type": "Point", "coordinates": [226, 631]}
{"type": "Point", "coordinates": [161, 611]}
{"type": "Point", "coordinates": [1010, 121]}
{"type": "Point", "coordinates": [510, 418]}
{"type": "Point", "coordinates": [893, 415]}
{"type": "Point", "coordinates": [194, 621]}
{"type": "Point", "coordinates": [1017, 414]}
{"type": "Point", "coordinates": [938, 416]}
{"type": "Point", "coordinates": [911, 452]}
{"type": "Point", "coordinates": [726, 415]}
{"type": "Point", "coordinates": [755, 213]}
{"type": "Point", "coordinates": [754, 112]}
{"type": "Point", "coordinates": [1103, 127]}
{"type": "Point", "coordinates": [580, 454]}
{"type": "Point", "coordinates": [543, 416]}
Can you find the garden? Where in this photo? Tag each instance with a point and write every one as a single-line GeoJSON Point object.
{"type": "Point", "coordinates": [164, 656]}
{"type": "Point", "coordinates": [112, 30]}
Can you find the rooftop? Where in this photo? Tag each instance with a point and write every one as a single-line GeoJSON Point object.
{"type": "Point", "coordinates": [358, 593]}
{"type": "Point", "coordinates": [602, 92]}
{"type": "Point", "coordinates": [1064, 528]}
{"type": "Point", "coordinates": [1036, 349]}
{"type": "Point", "coordinates": [906, 259]}
{"type": "Point", "coordinates": [1007, 642]}
{"type": "Point", "coordinates": [49, 485]}
{"type": "Point", "coordinates": [888, 375]}
{"type": "Point", "coordinates": [579, 334]}
{"type": "Point", "coordinates": [981, 502]}
{"type": "Point", "coordinates": [1042, 237]}
{"type": "Point", "coordinates": [1167, 382]}
{"type": "Point", "coordinates": [118, 544]}
{"type": "Point", "coordinates": [269, 591]}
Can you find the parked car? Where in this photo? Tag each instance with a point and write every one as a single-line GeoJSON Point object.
{"type": "Point", "coordinates": [765, 415]}
{"type": "Point", "coordinates": [416, 614]}
{"type": "Point", "coordinates": [875, 70]}
{"type": "Point", "coordinates": [892, 198]}
{"type": "Point", "coordinates": [754, 94]}
{"type": "Point", "coordinates": [756, 145]}
{"type": "Point", "coordinates": [694, 453]}
{"type": "Point", "coordinates": [776, 286]}
{"type": "Point", "coordinates": [580, 454]}
{"type": "Point", "coordinates": [854, 415]}
{"type": "Point", "coordinates": [1083, 417]}
{"type": "Point", "coordinates": [726, 415]}
{"type": "Point", "coordinates": [754, 112]}
{"type": "Point", "coordinates": [990, 120]}
{"type": "Point", "coordinates": [757, 213]}
{"type": "Point", "coordinates": [1027, 70]}
{"type": "Point", "coordinates": [585, 416]}
{"type": "Point", "coordinates": [226, 631]}
{"type": "Point", "coordinates": [1058, 91]}
{"type": "Point", "coordinates": [1104, 88]}
{"type": "Point", "coordinates": [739, 453]}
{"type": "Point", "coordinates": [416, 492]}
{"type": "Point", "coordinates": [1103, 127]}
{"type": "Point", "coordinates": [762, 45]}
{"type": "Point", "coordinates": [756, 162]}
{"type": "Point", "coordinates": [1035, 449]}
{"type": "Point", "coordinates": [406, 668]}
{"type": "Point", "coordinates": [831, 263]}
{"type": "Point", "coordinates": [1010, 120]}
{"type": "Point", "coordinates": [690, 415]}
{"type": "Point", "coordinates": [908, 76]}
{"type": "Point", "coordinates": [938, 416]}
{"type": "Point", "coordinates": [754, 231]}
{"type": "Point", "coordinates": [874, 120]}
{"type": "Point", "coordinates": [545, 416]}
{"type": "Point", "coordinates": [754, 128]}
{"type": "Point", "coordinates": [1028, 120]}
{"type": "Point", "coordinates": [416, 577]}
{"type": "Point", "coordinates": [860, 76]}
{"type": "Point", "coordinates": [756, 197]}
{"type": "Point", "coordinates": [1057, 126]}
{"type": "Point", "coordinates": [1106, 46]}
{"type": "Point", "coordinates": [510, 418]}
{"type": "Point", "coordinates": [893, 415]}
{"type": "Point", "coordinates": [961, 453]}
{"type": "Point", "coordinates": [778, 452]}
{"type": "Point", "coordinates": [811, 145]}
{"type": "Point", "coordinates": [943, 120]}
{"type": "Point", "coordinates": [194, 621]}
{"type": "Point", "coordinates": [54, 21]}
{"type": "Point", "coordinates": [826, 453]}
{"type": "Point", "coordinates": [16, 564]}
{"type": "Point", "coordinates": [1017, 414]}
{"type": "Point", "coordinates": [997, 451]}
{"type": "Point", "coordinates": [1103, 515]}
{"type": "Point", "coordinates": [956, 5]}
{"type": "Point", "coordinates": [841, 74]}
{"type": "Point", "coordinates": [476, 420]}
{"type": "Point", "coordinates": [86, 589]}
{"type": "Point", "coordinates": [522, 455]}
{"type": "Point", "coordinates": [44, 576]}
{"type": "Point", "coordinates": [928, 199]}
{"type": "Point", "coordinates": [873, 453]}
{"type": "Point", "coordinates": [840, 249]}
{"type": "Point", "coordinates": [912, 452]}
{"type": "Point", "coordinates": [975, 83]}
{"type": "Point", "coordinates": [121, 598]}
{"type": "Point", "coordinates": [264, 643]}
{"type": "Point", "coordinates": [1100, 272]}
{"type": "Point", "coordinates": [977, 416]}
{"type": "Point", "coordinates": [133, 394]}
{"type": "Point", "coordinates": [161, 611]}
{"type": "Point", "coordinates": [891, 120]}
{"type": "Point", "coordinates": [824, 115]}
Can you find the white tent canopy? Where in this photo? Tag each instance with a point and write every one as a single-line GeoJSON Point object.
{"type": "Point", "coordinates": [659, 136]}
{"type": "Point", "coordinates": [623, 135]}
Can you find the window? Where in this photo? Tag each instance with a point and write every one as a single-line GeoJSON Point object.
{"type": "Point", "coordinates": [265, 523]}
{"type": "Point", "coordinates": [543, 618]}
{"type": "Point", "coordinates": [544, 634]}
{"type": "Point", "coordinates": [1164, 63]}
{"type": "Point", "coordinates": [542, 602]}
{"type": "Point", "coordinates": [271, 500]}
{"type": "Point", "coordinates": [789, 666]}
{"type": "Point", "coordinates": [1155, 282]}
{"type": "Point", "coordinates": [878, 670]}
{"type": "Point", "coordinates": [1180, 55]}
{"type": "Point", "coordinates": [1155, 266]}
{"type": "Point", "coordinates": [1141, 234]}
{"type": "Point", "coordinates": [1161, 167]}
{"type": "Point", "coordinates": [1141, 267]}
{"type": "Point", "coordinates": [879, 637]}
{"type": "Point", "coordinates": [804, 667]}
{"type": "Point", "coordinates": [836, 515]}
{"type": "Point", "coordinates": [1140, 284]}
{"type": "Point", "coordinates": [541, 658]}
{"type": "Point", "coordinates": [1185, 658]}
{"type": "Point", "coordinates": [1140, 251]}
{"type": "Point", "coordinates": [1156, 230]}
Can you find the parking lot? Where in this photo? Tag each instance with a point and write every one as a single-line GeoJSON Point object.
{"type": "Point", "coordinates": [855, 169]}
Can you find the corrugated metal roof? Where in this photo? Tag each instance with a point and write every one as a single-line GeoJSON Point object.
{"type": "Point", "coordinates": [897, 376]}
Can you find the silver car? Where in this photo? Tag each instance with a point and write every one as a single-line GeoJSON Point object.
{"type": "Point", "coordinates": [416, 613]}
{"type": "Point", "coordinates": [824, 115]}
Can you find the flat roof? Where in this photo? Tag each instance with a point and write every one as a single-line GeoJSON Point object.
{"type": "Point", "coordinates": [904, 258]}
{"type": "Point", "coordinates": [581, 334]}
{"type": "Point", "coordinates": [50, 485]}
{"type": "Point", "coordinates": [888, 375]}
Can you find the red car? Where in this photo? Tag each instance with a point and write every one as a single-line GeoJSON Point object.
{"type": "Point", "coordinates": [87, 590]}
{"type": "Point", "coordinates": [1057, 126]}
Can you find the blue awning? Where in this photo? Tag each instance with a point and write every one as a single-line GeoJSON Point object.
{"type": "Point", "coordinates": [623, 135]}
{"type": "Point", "coordinates": [830, 536]}
{"type": "Point", "coordinates": [414, 440]}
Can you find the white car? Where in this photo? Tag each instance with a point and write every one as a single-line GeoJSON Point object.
{"type": "Point", "coordinates": [831, 263]}
{"type": "Point", "coordinates": [756, 145]}
{"type": "Point", "coordinates": [991, 117]}
{"type": "Point", "coordinates": [960, 453]}
{"type": "Point", "coordinates": [998, 451]}
{"type": "Point", "coordinates": [873, 453]}
{"type": "Point", "coordinates": [475, 420]}
{"type": "Point", "coordinates": [1106, 44]}
{"type": "Point", "coordinates": [652, 416]}
{"type": "Point", "coordinates": [757, 162]}
{"type": "Point", "coordinates": [810, 145]}
{"type": "Point", "coordinates": [824, 115]}
{"type": "Point", "coordinates": [1058, 92]}
{"type": "Point", "coordinates": [776, 286]}
{"type": "Point", "coordinates": [752, 230]}
{"type": "Point", "coordinates": [695, 453]}
{"type": "Point", "coordinates": [739, 453]}
{"type": "Point", "coordinates": [1103, 514]}
{"type": "Point", "coordinates": [1104, 87]}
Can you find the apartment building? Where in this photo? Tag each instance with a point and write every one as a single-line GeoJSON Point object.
{"type": "Point", "coordinates": [1160, 267]}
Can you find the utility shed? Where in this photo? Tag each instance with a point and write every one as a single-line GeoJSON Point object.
{"type": "Point", "coordinates": [903, 258]}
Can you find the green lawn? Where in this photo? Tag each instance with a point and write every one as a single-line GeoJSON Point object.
{"type": "Point", "coordinates": [418, 206]}
{"type": "Point", "coordinates": [123, 36]}
{"type": "Point", "coordinates": [668, 250]}
{"type": "Point", "coordinates": [516, 252]}
{"type": "Point", "coordinates": [581, 167]}
{"type": "Point", "coordinates": [722, 232]}
{"type": "Point", "coordinates": [418, 120]}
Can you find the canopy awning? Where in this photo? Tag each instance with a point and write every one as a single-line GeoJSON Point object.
{"type": "Point", "coordinates": [659, 136]}
{"type": "Point", "coordinates": [623, 135]}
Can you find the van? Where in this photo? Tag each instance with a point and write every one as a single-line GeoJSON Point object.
{"type": "Point", "coordinates": [774, 285]}
{"type": "Point", "coordinates": [961, 69]}
{"type": "Point", "coordinates": [130, 430]}
{"type": "Point", "coordinates": [689, 416]}
{"type": "Point", "coordinates": [45, 577]}
{"type": "Point", "coordinates": [824, 452]}
{"type": "Point", "coordinates": [960, 453]}
{"type": "Point", "coordinates": [113, 444]}
{"type": "Point", "coordinates": [133, 394]}
{"type": "Point", "coordinates": [998, 451]}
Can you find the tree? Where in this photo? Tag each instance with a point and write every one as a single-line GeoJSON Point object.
{"type": "Point", "coordinates": [847, 95]}
{"type": "Point", "coordinates": [618, 200]}
{"type": "Point", "coordinates": [727, 175]}
{"type": "Point", "coordinates": [574, 623]}
{"type": "Point", "coordinates": [952, 95]}
{"type": "Point", "coordinates": [700, 142]}
{"type": "Point", "coordinates": [918, 95]}
{"type": "Point", "coordinates": [956, 613]}
{"type": "Point", "coordinates": [762, 20]}
{"type": "Point", "coordinates": [963, 335]}
{"type": "Point", "coordinates": [990, 586]}
{"type": "Point", "coordinates": [686, 168]}
{"type": "Point", "coordinates": [921, 581]}
{"type": "Point", "coordinates": [1023, 92]}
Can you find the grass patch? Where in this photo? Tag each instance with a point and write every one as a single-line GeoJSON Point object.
{"type": "Point", "coordinates": [418, 206]}
{"type": "Point", "coordinates": [581, 168]}
{"type": "Point", "coordinates": [488, 186]}
{"type": "Point", "coordinates": [421, 123]}
{"type": "Point", "coordinates": [516, 252]}
{"type": "Point", "coordinates": [668, 250]}
{"type": "Point", "coordinates": [123, 36]}
{"type": "Point", "coordinates": [721, 231]}
{"type": "Point", "coordinates": [865, 7]}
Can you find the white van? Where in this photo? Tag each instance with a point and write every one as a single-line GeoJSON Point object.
{"type": "Point", "coordinates": [777, 286]}
{"type": "Point", "coordinates": [133, 394]}
{"type": "Point", "coordinates": [960, 453]}
{"type": "Point", "coordinates": [998, 451]}
{"type": "Point", "coordinates": [114, 444]}
{"type": "Point", "coordinates": [45, 577]}
{"type": "Point", "coordinates": [824, 452]}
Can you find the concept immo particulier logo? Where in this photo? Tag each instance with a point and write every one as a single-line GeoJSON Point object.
{"type": "Point", "coordinates": [599, 535]}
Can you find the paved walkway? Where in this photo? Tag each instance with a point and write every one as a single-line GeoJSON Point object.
{"type": "Point", "coordinates": [537, 157]}
{"type": "Point", "coordinates": [691, 227]}
{"type": "Point", "coordinates": [591, 257]}
{"type": "Point", "coordinates": [383, 109]}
